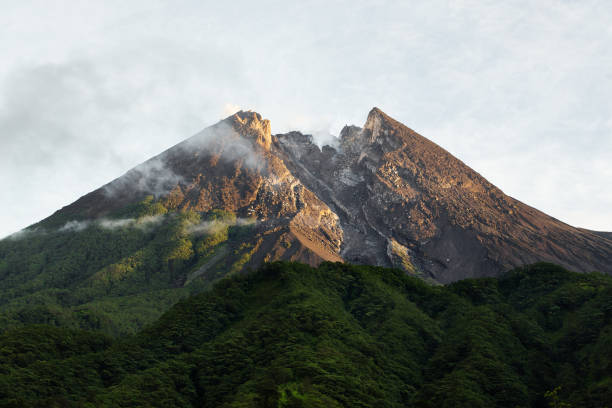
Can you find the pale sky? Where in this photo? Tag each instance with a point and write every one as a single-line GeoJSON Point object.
{"type": "Point", "coordinates": [519, 90]}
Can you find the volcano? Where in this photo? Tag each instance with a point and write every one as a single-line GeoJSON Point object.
{"type": "Point", "coordinates": [383, 195]}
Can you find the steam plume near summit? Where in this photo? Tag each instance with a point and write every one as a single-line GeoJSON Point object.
{"type": "Point", "coordinates": [157, 177]}
{"type": "Point", "coordinates": [153, 177]}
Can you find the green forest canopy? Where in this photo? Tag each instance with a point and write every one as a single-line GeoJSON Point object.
{"type": "Point", "coordinates": [289, 335]}
{"type": "Point", "coordinates": [118, 273]}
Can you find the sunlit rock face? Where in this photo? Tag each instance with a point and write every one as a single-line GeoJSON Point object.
{"type": "Point", "coordinates": [230, 166]}
{"type": "Point", "coordinates": [404, 201]}
{"type": "Point", "coordinates": [384, 195]}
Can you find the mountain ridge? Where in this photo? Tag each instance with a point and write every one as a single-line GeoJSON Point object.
{"type": "Point", "coordinates": [452, 208]}
{"type": "Point", "coordinates": [387, 195]}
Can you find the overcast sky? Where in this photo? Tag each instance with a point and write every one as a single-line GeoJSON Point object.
{"type": "Point", "coordinates": [519, 90]}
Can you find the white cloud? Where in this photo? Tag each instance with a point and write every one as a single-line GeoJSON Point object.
{"type": "Point", "coordinates": [145, 222]}
{"type": "Point", "coordinates": [212, 227]}
{"type": "Point", "coordinates": [74, 226]}
{"type": "Point", "coordinates": [230, 109]}
{"type": "Point", "coordinates": [152, 176]}
{"type": "Point", "coordinates": [115, 224]}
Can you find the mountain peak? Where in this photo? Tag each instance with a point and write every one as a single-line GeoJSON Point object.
{"type": "Point", "coordinates": [374, 131]}
{"type": "Point", "coordinates": [403, 200]}
{"type": "Point", "coordinates": [373, 124]}
{"type": "Point", "coordinates": [376, 113]}
{"type": "Point", "coordinates": [251, 124]}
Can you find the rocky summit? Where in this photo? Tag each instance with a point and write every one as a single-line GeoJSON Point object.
{"type": "Point", "coordinates": [383, 195]}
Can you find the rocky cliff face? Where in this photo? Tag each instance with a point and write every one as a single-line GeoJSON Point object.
{"type": "Point", "coordinates": [384, 196]}
{"type": "Point", "coordinates": [230, 166]}
{"type": "Point", "coordinates": [404, 201]}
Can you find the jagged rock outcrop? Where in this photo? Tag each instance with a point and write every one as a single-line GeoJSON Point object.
{"type": "Point", "coordinates": [403, 200]}
{"type": "Point", "coordinates": [229, 166]}
{"type": "Point", "coordinates": [385, 195]}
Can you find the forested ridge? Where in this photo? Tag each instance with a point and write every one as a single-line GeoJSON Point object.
{"type": "Point", "coordinates": [288, 335]}
{"type": "Point", "coordinates": [118, 273]}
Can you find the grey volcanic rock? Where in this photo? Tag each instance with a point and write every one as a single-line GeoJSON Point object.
{"type": "Point", "coordinates": [404, 201]}
{"type": "Point", "coordinates": [385, 196]}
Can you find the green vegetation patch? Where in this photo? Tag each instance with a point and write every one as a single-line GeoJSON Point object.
{"type": "Point", "coordinates": [115, 273]}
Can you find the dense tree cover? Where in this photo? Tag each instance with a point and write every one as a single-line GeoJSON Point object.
{"type": "Point", "coordinates": [113, 274]}
{"type": "Point", "coordinates": [289, 335]}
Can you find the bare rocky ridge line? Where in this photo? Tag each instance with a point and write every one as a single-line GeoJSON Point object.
{"type": "Point", "coordinates": [385, 196]}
